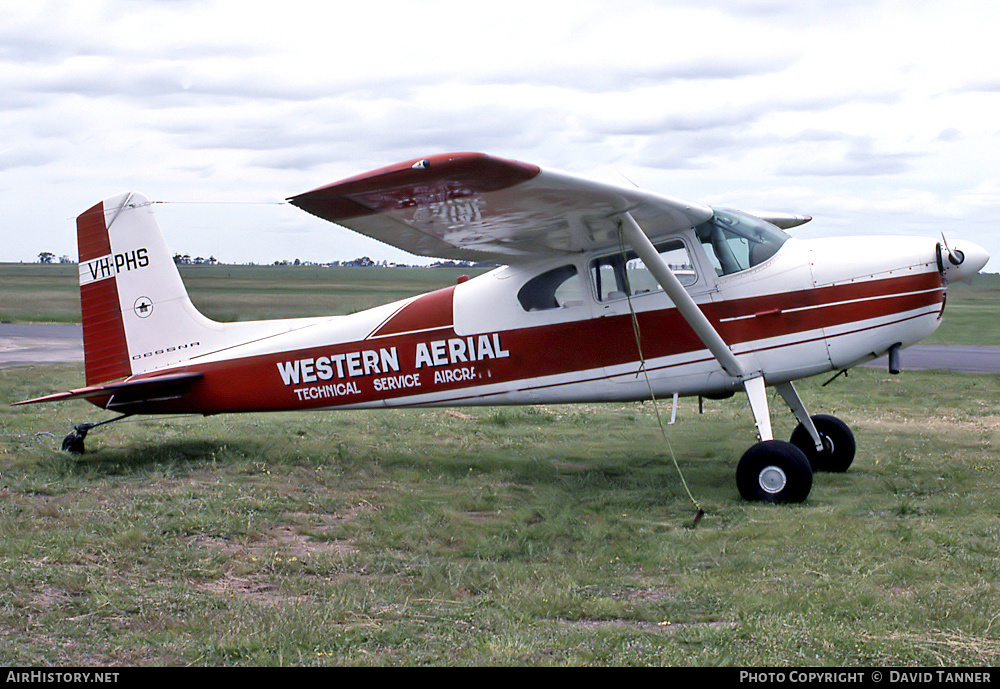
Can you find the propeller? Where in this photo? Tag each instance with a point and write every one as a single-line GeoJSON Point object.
{"type": "Point", "coordinates": [964, 259]}
{"type": "Point", "coordinates": [956, 258]}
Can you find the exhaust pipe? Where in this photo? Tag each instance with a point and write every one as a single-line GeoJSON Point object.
{"type": "Point", "coordinates": [894, 366]}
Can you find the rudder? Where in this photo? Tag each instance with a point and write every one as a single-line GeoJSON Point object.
{"type": "Point", "coordinates": [104, 348]}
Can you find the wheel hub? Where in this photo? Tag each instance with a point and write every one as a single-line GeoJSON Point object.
{"type": "Point", "coordinates": [772, 479]}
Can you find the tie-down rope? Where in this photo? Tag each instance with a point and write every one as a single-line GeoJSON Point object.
{"type": "Point", "coordinates": [642, 367]}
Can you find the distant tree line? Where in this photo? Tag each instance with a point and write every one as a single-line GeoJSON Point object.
{"type": "Point", "coordinates": [366, 262]}
{"type": "Point", "coordinates": [362, 262]}
{"type": "Point", "coordinates": [186, 260]}
{"type": "Point", "coordinates": [49, 257]}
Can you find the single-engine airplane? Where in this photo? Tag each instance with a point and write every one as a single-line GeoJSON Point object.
{"type": "Point", "coordinates": [605, 293]}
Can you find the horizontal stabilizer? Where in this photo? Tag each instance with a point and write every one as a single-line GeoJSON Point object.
{"type": "Point", "coordinates": [129, 392]}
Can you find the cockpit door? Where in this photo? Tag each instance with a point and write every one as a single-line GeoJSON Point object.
{"type": "Point", "coordinates": [638, 322]}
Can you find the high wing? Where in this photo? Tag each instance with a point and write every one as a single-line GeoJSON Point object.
{"type": "Point", "coordinates": [475, 207]}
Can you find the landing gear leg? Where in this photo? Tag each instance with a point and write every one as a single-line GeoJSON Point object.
{"type": "Point", "coordinates": [794, 402]}
{"type": "Point", "coordinates": [73, 443]}
{"type": "Point", "coordinates": [757, 394]}
{"type": "Point", "coordinates": [772, 470]}
{"type": "Point", "coordinates": [827, 441]}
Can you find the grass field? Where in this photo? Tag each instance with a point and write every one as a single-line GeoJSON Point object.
{"type": "Point", "coordinates": [49, 293]}
{"type": "Point", "coordinates": [35, 292]}
{"type": "Point", "coordinates": [499, 536]}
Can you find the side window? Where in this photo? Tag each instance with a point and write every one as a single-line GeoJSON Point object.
{"type": "Point", "coordinates": [552, 289]}
{"type": "Point", "coordinates": [618, 276]}
{"type": "Point", "coordinates": [609, 278]}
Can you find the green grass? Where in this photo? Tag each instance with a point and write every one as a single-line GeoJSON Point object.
{"type": "Point", "coordinates": [33, 292]}
{"type": "Point", "coordinates": [490, 536]}
{"type": "Point", "coordinates": [231, 293]}
{"type": "Point", "coordinates": [972, 313]}
{"type": "Point", "coordinates": [500, 536]}
{"type": "Point", "coordinates": [39, 293]}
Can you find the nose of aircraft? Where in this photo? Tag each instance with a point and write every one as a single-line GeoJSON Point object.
{"type": "Point", "coordinates": [962, 259]}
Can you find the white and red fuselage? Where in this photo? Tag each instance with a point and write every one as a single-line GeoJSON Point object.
{"type": "Point", "coordinates": [816, 306]}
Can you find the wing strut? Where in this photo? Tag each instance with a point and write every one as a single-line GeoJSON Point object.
{"type": "Point", "coordinates": [753, 384]}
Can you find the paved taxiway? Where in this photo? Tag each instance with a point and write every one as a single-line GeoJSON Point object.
{"type": "Point", "coordinates": [32, 343]}
{"type": "Point", "coordinates": [24, 344]}
{"type": "Point", "coordinates": [958, 358]}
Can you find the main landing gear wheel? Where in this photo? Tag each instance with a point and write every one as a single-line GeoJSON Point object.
{"type": "Point", "coordinates": [838, 444]}
{"type": "Point", "coordinates": [774, 471]}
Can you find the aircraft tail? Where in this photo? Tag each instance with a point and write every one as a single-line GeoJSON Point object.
{"type": "Point", "coordinates": [137, 315]}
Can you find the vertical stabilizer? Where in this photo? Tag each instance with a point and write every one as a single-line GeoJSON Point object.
{"type": "Point", "coordinates": [136, 312]}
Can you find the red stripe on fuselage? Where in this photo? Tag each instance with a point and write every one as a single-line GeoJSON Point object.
{"type": "Point", "coordinates": [256, 384]}
{"type": "Point", "coordinates": [755, 318]}
{"type": "Point", "coordinates": [427, 312]}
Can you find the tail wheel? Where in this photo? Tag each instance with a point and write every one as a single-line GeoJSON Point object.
{"type": "Point", "coordinates": [774, 471]}
{"type": "Point", "coordinates": [838, 444]}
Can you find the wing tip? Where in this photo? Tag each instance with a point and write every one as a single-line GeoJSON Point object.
{"type": "Point", "coordinates": [413, 182]}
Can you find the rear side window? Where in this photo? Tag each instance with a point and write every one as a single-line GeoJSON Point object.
{"type": "Point", "coordinates": [553, 289]}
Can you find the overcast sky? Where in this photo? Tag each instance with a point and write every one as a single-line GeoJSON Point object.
{"type": "Point", "coordinates": [873, 117]}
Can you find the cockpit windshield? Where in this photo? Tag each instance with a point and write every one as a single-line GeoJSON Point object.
{"type": "Point", "coordinates": [735, 241]}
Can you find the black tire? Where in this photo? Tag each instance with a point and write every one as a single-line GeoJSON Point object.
{"type": "Point", "coordinates": [838, 444]}
{"type": "Point", "coordinates": [73, 443]}
{"type": "Point", "coordinates": [774, 471]}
